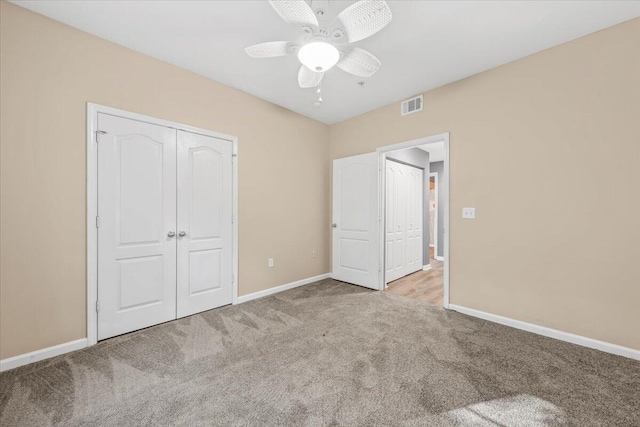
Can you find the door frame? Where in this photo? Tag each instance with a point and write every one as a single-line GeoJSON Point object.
{"type": "Point", "coordinates": [382, 155]}
{"type": "Point", "coordinates": [92, 201]}
{"type": "Point", "coordinates": [435, 218]}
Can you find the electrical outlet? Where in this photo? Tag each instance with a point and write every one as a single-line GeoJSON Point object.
{"type": "Point", "coordinates": [271, 263]}
{"type": "Point", "coordinates": [313, 254]}
{"type": "Point", "coordinates": [469, 213]}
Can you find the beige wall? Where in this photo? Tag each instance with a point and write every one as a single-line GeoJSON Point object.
{"type": "Point", "coordinates": [544, 148]}
{"type": "Point", "coordinates": [48, 73]}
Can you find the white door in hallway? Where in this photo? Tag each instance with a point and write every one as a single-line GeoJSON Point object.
{"type": "Point", "coordinates": [355, 220]}
{"type": "Point", "coordinates": [395, 233]}
{"type": "Point", "coordinates": [404, 216]}
{"type": "Point", "coordinates": [137, 220]}
{"type": "Point", "coordinates": [414, 219]}
{"type": "Point", "coordinates": [204, 223]}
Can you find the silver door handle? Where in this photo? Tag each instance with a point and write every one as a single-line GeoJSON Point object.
{"type": "Point", "coordinates": [171, 234]}
{"type": "Point", "coordinates": [182, 234]}
{"type": "Point", "coordinates": [334, 225]}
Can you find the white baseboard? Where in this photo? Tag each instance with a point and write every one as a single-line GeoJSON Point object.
{"type": "Point", "coordinates": [270, 291]}
{"type": "Point", "coordinates": [426, 267]}
{"type": "Point", "coordinates": [438, 258]}
{"type": "Point", "coordinates": [551, 333]}
{"type": "Point", "coordinates": [431, 245]}
{"type": "Point", "coordinates": [38, 355]}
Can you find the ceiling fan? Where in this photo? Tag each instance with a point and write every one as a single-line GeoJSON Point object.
{"type": "Point", "coordinates": [324, 46]}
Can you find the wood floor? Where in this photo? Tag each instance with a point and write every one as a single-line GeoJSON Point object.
{"type": "Point", "coordinates": [425, 286]}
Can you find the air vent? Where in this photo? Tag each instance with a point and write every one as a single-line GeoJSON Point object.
{"type": "Point", "coordinates": [411, 106]}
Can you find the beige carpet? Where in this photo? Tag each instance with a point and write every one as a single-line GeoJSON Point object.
{"type": "Point", "coordinates": [326, 354]}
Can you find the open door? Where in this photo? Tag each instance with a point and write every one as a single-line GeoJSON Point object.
{"type": "Point", "coordinates": [355, 220]}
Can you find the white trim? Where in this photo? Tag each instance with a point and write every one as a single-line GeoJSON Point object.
{"type": "Point", "coordinates": [92, 231]}
{"type": "Point", "coordinates": [92, 202]}
{"type": "Point", "coordinates": [287, 286]}
{"type": "Point", "coordinates": [426, 267]}
{"type": "Point", "coordinates": [443, 137]}
{"type": "Point", "coordinates": [435, 221]}
{"type": "Point", "coordinates": [235, 240]}
{"type": "Point", "coordinates": [430, 245]}
{"type": "Point", "coordinates": [551, 333]}
{"type": "Point", "coordinates": [438, 258]}
{"type": "Point", "coordinates": [38, 355]}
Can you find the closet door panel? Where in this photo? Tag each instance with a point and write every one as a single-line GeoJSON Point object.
{"type": "Point", "coordinates": [390, 219]}
{"type": "Point", "coordinates": [137, 210]}
{"type": "Point", "coordinates": [403, 213]}
{"type": "Point", "coordinates": [414, 220]}
{"type": "Point", "coordinates": [395, 227]}
{"type": "Point", "coordinates": [204, 223]}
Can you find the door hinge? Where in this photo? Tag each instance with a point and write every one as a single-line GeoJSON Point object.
{"type": "Point", "coordinates": [97, 306]}
{"type": "Point", "coordinates": [232, 219]}
{"type": "Point", "coordinates": [97, 222]}
{"type": "Point", "coordinates": [98, 133]}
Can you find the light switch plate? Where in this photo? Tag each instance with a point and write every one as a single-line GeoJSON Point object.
{"type": "Point", "coordinates": [469, 213]}
{"type": "Point", "coordinates": [271, 263]}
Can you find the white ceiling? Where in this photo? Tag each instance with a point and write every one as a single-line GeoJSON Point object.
{"type": "Point", "coordinates": [427, 44]}
{"type": "Point", "coordinates": [435, 150]}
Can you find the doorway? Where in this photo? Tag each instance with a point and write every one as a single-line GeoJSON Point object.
{"type": "Point", "coordinates": [359, 215]}
{"type": "Point", "coordinates": [431, 284]}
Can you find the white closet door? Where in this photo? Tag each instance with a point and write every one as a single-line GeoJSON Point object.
{"type": "Point", "coordinates": [137, 210]}
{"type": "Point", "coordinates": [414, 220]}
{"type": "Point", "coordinates": [395, 217]}
{"type": "Point", "coordinates": [204, 223]}
{"type": "Point", "coordinates": [404, 216]}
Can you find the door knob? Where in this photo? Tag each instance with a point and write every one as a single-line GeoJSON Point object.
{"type": "Point", "coordinates": [182, 234]}
{"type": "Point", "coordinates": [334, 225]}
{"type": "Point", "coordinates": [171, 234]}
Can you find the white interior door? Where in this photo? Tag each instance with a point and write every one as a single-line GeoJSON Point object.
{"type": "Point", "coordinates": [355, 220]}
{"type": "Point", "coordinates": [204, 223]}
{"type": "Point", "coordinates": [395, 231]}
{"type": "Point", "coordinates": [414, 218]}
{"type": "Point", "coordinates": [404, 216]}
{"type": "Point", "coordinates": [137, 219]}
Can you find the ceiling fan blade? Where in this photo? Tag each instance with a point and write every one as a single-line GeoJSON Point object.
{"type": "Point", "coordinates": [268, 50]}
{"type": "Point", "coordinates": [364, 18]}
{"type": "Point", "coordinates": [308, 78]}
{"type": "Point", "coordinates": [295, 11]}
{"type": "Point", "coordinates": [359, 62]}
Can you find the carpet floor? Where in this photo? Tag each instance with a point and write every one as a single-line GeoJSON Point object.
{"type": "Point", "coordinates": [326, 354]}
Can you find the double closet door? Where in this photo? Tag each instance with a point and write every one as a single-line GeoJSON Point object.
{"type": "Point", "coordinates": [404, 220]}
{"type": "Point", "coordinates": [164, 224]}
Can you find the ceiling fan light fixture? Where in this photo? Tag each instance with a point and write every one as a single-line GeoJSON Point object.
{"type": "Point", "coordinates": [318, 56]}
